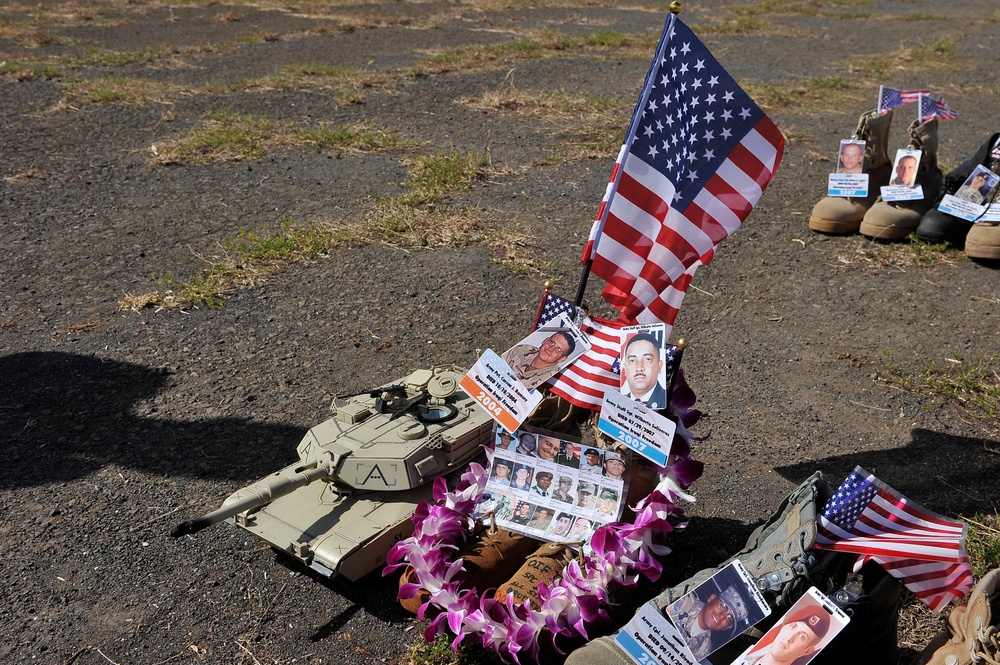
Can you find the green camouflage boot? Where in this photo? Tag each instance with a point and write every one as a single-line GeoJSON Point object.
{"type": "Point", "coordinates": [896, 220]}
{"type": "Point", "coordinates": [776, 555]}
{"type": "Point", "coordinates": [779, 557]}
{"type": "Point", "coordinates": [839, 214]}
{"type": "Point", "coordinates": [971, 633]}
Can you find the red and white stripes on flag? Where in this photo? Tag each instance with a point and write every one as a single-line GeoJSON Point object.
{"type": "Point", "coordinates": [922, 549]}
{"type": "Point", "coordinates": [697, 156]}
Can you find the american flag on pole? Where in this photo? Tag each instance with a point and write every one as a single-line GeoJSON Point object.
{"type": "Point", "coordinates": [585, 380]}
{"type": "Point", "coordinates": [696, 158]}
{"type": "Point", "coordinates": [890, 98]}
{"type": "Point", "coordinates": [935, 108]}
{"type": "Point", "coordinates": [923, 550]}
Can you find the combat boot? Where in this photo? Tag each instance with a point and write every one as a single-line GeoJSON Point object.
{"type": "Point", "coordinates": [983, 241]}
{"type": "Point", "coordinates": [937, 226]}
{"type": "Point", "coordinates": [971, 634]}
{"type": "Point", "coordinates": [780, 557]}
{"type": "Point", "coordinates": [838, 214]}
{"type": "Point", "coordinates": [776, 554]}
{"type": "Point", "coordinates": [489, 558]}
{"type": "Point", "coordinates": [544, 566]}
{"type": "Point", "coordinates": [896, 220]}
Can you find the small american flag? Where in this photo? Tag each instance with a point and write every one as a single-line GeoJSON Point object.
{"type": "Point", "coordinates": [890, 98]}
{"type": "Point", "coordinates": [584, 381]}
{"type": "Point", "coordinates": [935, 108]}
{"type": "Point", "coordinates": [697, 156]}
{"type": "Point", "coordinates": [944, 111]}
{"type": "Point", "coordinates": [928, 109]}
{"type": "Point", "coordinates": [920, 548]}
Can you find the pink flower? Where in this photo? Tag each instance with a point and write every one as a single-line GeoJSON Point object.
{"type": "Point", "coordinates": [622, 554]}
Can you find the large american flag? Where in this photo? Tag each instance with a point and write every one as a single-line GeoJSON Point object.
{"type": "Point", "coordinates": [585, 380]}
{"type": "Point", "coordinates": [890, 98]}
{"type": "Point", "coordinates": [697, 156]}
{"type": "Point", "coordinates": [920, 548]}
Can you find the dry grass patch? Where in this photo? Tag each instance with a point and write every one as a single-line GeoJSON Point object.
{"type": "Point", "coordinates": [872, 255]}
{"type": "Point", "coordinates": [413, 219]}
{"type": "Point", "coordinates": [31, 176]}
{"type": "Point", "coordinates": [347, 82]}
{"type": "Point", "coordinates": [937, 55]}
{"type": "Point", "coordinates": [535, 45]}
{"type": "Point", "coordinates": [253, 256]}
{"type": "Point", "coordinates": [225, 136]}
{"type": "Point", "coordinates": [807, 95]}
{"type": "Point", "coordinates": [971, 389]}
{"type": "Point", "coordinates": [115, 89]}
{"type": "Point", "coordinates": [593, 123]}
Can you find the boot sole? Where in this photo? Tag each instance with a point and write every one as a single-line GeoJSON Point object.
{"type": "Point", "coordinates": [885, 232]}
{"type": "Point", "coordinates": [833, 226]}
{"type": "Point", "coordinates": [976, 251]}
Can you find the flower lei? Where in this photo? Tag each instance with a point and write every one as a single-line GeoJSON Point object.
{"type": "Point", "coordinates": [621, 552]}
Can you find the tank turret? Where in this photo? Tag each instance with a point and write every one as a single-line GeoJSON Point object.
{"type": "Point", "coordinates": [361, 474]}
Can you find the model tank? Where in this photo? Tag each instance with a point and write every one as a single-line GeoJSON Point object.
{"type": "Point", "coordinates": [361, 474]}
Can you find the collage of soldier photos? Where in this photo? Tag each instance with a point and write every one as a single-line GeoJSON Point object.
{"type": "Point", "coordinates": [552, 488]}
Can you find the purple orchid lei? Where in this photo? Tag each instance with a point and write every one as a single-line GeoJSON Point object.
{"type": "Point", "coordinates": [621, 553]}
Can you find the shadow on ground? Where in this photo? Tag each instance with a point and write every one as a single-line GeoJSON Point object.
{"type": "Point", "coordinates": [63, 416]}
{"type": "Point", "coordinates": [952, 475]}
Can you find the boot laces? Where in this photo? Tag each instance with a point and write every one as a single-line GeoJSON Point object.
{"type": "Point", "coordinates": [985, 646]}
{"type": "Point", "coordinates": [801, 567]}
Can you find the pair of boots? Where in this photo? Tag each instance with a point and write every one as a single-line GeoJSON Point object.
{"type": "Point", "coordinates": [871, 216]}
{"type": "Point", "coordinates": [780, 557]}
{"type": "Point", "coordinates": [980, 240]}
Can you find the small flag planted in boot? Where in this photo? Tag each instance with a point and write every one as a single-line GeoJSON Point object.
{"type": "Point", "coordinates": [944, 111]}
{"type": "Point", "coordinates": [935, 108]}
{"type": "Point", "coordinates": [890, 98]}
{"type": "Point", "coordinates": [922, 549]}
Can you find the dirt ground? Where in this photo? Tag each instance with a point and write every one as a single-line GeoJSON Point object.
{"type": "Point", "coordinates": [115, 424]}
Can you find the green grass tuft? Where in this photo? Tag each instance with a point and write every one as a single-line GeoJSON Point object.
{"type": "Point", "coordinates": [973, 389]}
{"type": "Point", "coordinates": [983, 543]}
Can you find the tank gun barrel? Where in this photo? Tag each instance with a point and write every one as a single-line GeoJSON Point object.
{"type": "Point", "coordinates": [257, 495]}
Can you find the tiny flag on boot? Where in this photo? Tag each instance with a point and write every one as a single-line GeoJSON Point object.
{"type": "Point", "coordinates": [922, 549]}
{"type": "Point", "coordinates": [697, 156]}
{"type": "Point", "coordinates": [935, 108]}
{"type": "Point", "coordinates": [944, 111]}
{"type": "Point", "coordinates": [890, 98]}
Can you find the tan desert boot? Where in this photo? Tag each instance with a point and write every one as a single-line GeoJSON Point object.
{"type": "Point", "coordinates": [971, 632]}
{"type": "Point", "coordinates": [838, 214]}
{"type": "Point", "coordinates": [896, 220]}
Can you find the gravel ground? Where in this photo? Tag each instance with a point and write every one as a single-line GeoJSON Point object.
{"type": "Point", "coordinates": [115, 424]}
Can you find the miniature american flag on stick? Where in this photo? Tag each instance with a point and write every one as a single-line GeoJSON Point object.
{"type": "Point", "coordinates": [584, 381]}
{"type": "Point", "coordinates": [696, 158]}
{"type": "Point", "coordinates": [890, 98]}
{"type": "Point", "coordinates": [923, 550]}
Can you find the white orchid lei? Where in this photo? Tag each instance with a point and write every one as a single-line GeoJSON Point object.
{"type": "Point", "coordinates": [621, 552]}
